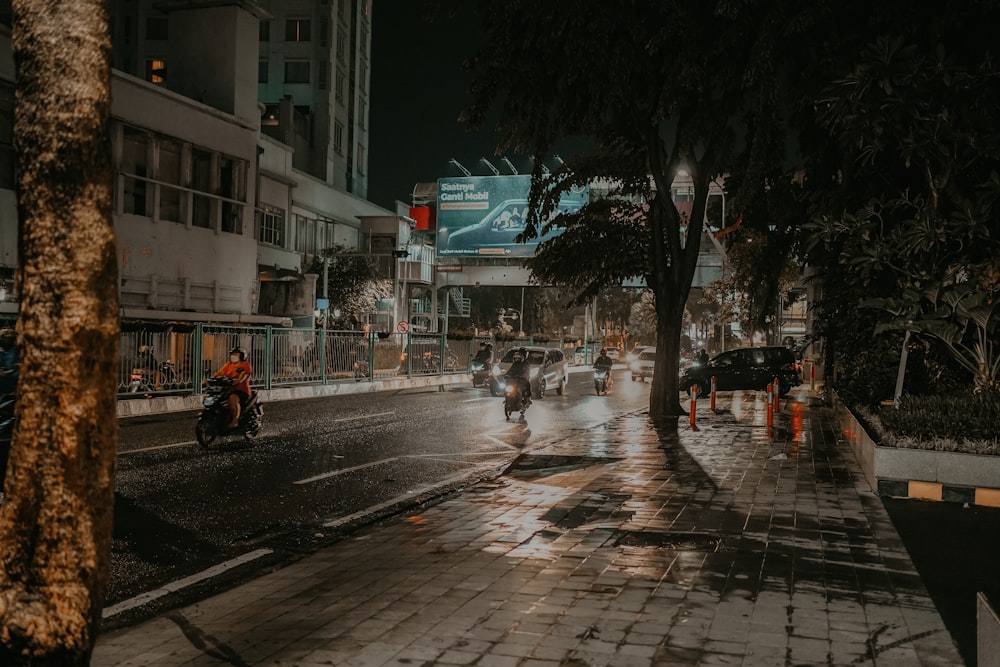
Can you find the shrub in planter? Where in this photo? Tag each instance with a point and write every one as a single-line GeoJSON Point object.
{"type": "Point", "coordinates": [959, 418]}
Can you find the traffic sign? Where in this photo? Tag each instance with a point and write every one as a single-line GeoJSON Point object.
{"type": "Point", "coordinates": [402, 326]}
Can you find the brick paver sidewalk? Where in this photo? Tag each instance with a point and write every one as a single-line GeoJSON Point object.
{"type": "Point", "coordinates": [621, 545]}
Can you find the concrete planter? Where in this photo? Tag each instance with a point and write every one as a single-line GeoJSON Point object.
{"type": "Point", "coordinates": [920, 473]}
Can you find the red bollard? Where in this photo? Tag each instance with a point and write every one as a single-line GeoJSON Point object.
{"type": "Point", "coordinates": [777, 393]}
{"type": "Point", "coordinates": [712, 395]}
{"type": "Point", "coordinates": [694, 406]}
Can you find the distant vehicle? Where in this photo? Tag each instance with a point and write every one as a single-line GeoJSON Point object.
{"type": "Point", "coordinates": [548, 368]}
{"type": "Point", "coordinates": [744, 368]}
{"type": "Point", "coordinates": [634, 353]}
{"type": "Point", "coordinates": [582, 355]}
{"type": "Point", "coordinates": [644, 365]}
{"type": "Point", "coordinates": [614, 354]}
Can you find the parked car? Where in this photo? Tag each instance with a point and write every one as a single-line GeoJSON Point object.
{"type": "Point", "coordinates": [582, 355]}
{"type": "Point", "coordinates": [614, 354]}
{"type": "Point", "coordinates": [644, 365]}
{"type": "Point", "coordinates": [548, 368]}
{"type": "Point", "coordinates": [744, 368]}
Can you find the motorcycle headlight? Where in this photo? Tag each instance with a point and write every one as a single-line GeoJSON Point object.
{"type": "Point", "coordinates": [534, 372]}
{"type": "Point", "coordinates": [209, 401]}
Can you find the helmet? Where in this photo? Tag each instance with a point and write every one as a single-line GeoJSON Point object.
{"type": "Point", "coordinates": [482, 343]}
{"type": "Point", "coordinates": [240, 351]}
{"type": "Point", "coordinates": [489, 346]}
{"type": "Point", "coordinates": [604, 350]}
{"type": "Point", "coordinates": [518, 356]}
{"type": "Point", "coordinates": [8, 338]}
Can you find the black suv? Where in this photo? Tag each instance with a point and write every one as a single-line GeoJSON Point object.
{"type": "Point", "coordinates": [744, 368]}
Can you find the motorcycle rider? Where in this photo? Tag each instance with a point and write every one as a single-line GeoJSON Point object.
{"type": "Point", "coordinates": [604, 362]}
{"type": "Point", "coordinates": [485, 355]}
{"type": "Point", "coordinates": [521, 371]}
{"type": "Point", "coordinates": [240, 370]}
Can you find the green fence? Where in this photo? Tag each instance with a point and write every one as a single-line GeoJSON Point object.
{"type": "Point", "coordinates": [177, 359]}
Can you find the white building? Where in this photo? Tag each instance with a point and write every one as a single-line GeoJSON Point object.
{"type": "Point", "coordinates": [235, 162]}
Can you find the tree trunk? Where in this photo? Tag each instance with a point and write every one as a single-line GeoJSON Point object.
{"type": "Point", "coordinates": [55, 523]}
{"type": "Point", "coordinates": [664, 394]}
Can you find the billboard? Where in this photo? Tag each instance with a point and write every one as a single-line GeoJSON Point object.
{"type": "Point", "coordinates": [480, 216]}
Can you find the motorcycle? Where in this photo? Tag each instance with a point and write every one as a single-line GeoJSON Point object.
{"type": "Point", "coordinates": [145, 380]}
{"type": "Point", "coordinates": [483, 376]}
{"type": "Point", "coordinates": [214, 418]}
{"type": "Point", "coordinates": [515, 400]}
{"type": "Point", "coordinates": [602, 380]}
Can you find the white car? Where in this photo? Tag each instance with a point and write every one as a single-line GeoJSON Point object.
{"type": "Point", "coordinates": [614, 354]}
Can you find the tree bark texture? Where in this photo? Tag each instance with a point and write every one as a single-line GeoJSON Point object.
{"type": "Point", "coordinates": [56, 520]}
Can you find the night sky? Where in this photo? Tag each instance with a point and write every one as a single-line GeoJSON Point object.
{"type": "Point", "coordinates": [418, 89]}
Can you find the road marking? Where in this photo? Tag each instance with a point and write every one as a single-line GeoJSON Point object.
{"type": "Point", "coordinates": [334, 473]}
{"type": "Point", "coordinates": [153, 449]}
{"type": "Point", "coordinates": [398, 499]}
{"type": "Point", "coordinates": [175, 586]}
{"type": "Point", "coordinates": [476, 400]}
{"type": "Point", "coordinates": [377, 414]}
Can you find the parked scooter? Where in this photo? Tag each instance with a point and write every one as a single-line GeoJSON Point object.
{"type": "Point", "coordinates": [485, 375]}
{"type": "Point", "coordinates": [602, 380]}
{"type": "Point", "coordinates": [515, 400]}
{"type": "Point", "coordinates": [214, 418]}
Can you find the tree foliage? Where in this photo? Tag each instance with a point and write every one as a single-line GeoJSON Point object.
{"type": "Point", "coordinates": [353, 285]}
{"type": "Point", "coordinates": [903, 162]}
{"type": "Point", "coordinates": [649, 88]}
{"type": "Point", "coordinates": [56, 518]}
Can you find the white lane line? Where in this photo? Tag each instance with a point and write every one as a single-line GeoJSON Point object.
{"type": "Point", "coordinates": [334, 473]}
{"type": "Point", "coordinates": [477, 400]}
{"type": "Point", "coordinates": [175, 586]}
{"type": "Point", "coordinates": [153, 449]}
{"type": "Point", "coordinates": [409, 494]}
{"type": "Point", "coordinates": [377, 414]}
{"type": "Point", "coordinates": [195, 442]}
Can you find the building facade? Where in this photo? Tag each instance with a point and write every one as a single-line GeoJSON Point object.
{"type": "Point", "coordinates": [239, 141]}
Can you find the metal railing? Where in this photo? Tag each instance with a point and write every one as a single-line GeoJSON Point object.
{"type": "Point", "coordinates": [176, 359]}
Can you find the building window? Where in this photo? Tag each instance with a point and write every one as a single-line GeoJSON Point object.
{"type": "Point", "coordinates": [341, 45]}
{"type": "Point", "coordinates": [324, 32]}
{"type": "Point", "coordinates": [341, 80]}
{"type": "Point", "coordinates": [201, 181]}
{"type": "Point", "coordinates": [362, 113]}
{"type": "Point", "coordinates": [363, 77]}
{"type": "Point", "coordinates": [321, 78]}
{"type": "Point", "coordinates": [233, 190]}
{"type": "Point", "coordinates": [156, 70]}
{"type": "Point", "coordinates": [168, 170]}
{"type": "Point", "coordinates": [133, 165]}
{"type": "Point", "coordinates": [338, 137]}
{"type": "Point", "coordinates": [271, 226]}
{"type": "Point", "coordinates": [156, 28]}
{"type": "Point", "coordinates": [296, 71]}
{"type": "Point", "coordinates": [361, 159]}
{"type": "Point", "coordinates": [364, 39]}
{"type": "Point", "coordinates": [297, 30]}
{"type": "Point", "coordinates": [261, 71]}
{"type": "Point", "coordinates": [305, 234]}
{"type": "Point", "coordinates": [264, 32]}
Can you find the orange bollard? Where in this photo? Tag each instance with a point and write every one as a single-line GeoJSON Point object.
{"type": "Point", "coordinates": [777, 394]}
{"type": "Point", "coordinates": [712, 395]}
{"type": "Point", "coordinates": [770, 408]}
{"type": "Point", "coordinates": [694, 406]}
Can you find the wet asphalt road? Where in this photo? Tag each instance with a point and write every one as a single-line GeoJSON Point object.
{"type": "Point", "coordinates": [181, 509]}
